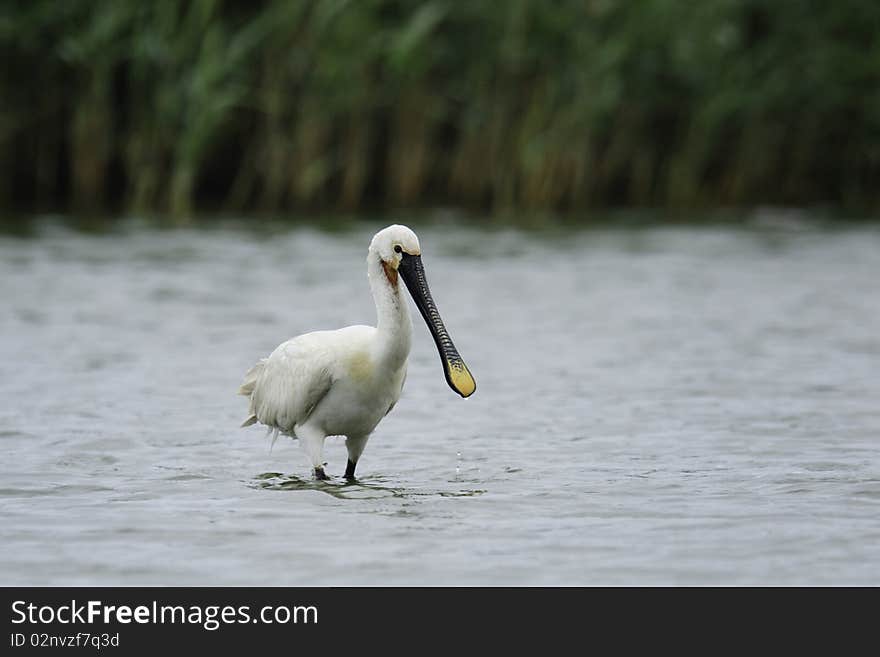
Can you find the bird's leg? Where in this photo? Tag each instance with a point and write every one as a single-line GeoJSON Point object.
{"type": "Point", "coordinates": [349, 469]}
{"type": "Point", "coordinates": [313, 442]}
{"type": "Point", "coordinates": [355, 446]}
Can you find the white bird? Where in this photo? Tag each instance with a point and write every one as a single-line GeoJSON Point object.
{"type": "Point", "coordinates": [343, 382]}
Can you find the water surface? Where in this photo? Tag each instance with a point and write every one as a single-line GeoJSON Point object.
{"type": "Point", "coordinates": [654, 406]}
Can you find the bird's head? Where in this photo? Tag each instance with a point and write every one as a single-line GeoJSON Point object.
{"type": "Point", "coordinates": [398, 250]}
{"type": "Point", "coordinates": [391, 243]}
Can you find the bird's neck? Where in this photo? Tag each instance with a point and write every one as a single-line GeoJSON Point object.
{"type": "Point", "coordinates": [393, 323]}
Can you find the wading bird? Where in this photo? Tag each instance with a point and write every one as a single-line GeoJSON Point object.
{"type": "Point", "coordinates": [343, 382]}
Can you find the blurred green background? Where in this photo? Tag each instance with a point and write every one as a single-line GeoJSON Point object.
{"type": "Point", "coordinates": [175, 107]}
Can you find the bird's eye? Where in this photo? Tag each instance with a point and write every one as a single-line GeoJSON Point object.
{"type": "Point", "coordinates": [397, 248]}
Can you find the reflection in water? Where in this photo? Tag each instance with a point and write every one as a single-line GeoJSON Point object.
{"type": "Point", "coordinates": [367, 488]}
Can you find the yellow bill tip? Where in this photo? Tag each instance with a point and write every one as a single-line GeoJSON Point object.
{"type": "Point", "coordinates": [460, 378]}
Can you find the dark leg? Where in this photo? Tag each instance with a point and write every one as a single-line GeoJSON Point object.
{"type": "Point", "coordinates": [355, 446]}
{"type": "Point", "coordinates": [349, 469]}
{"type": "Point", "coordinates": [320, 474]}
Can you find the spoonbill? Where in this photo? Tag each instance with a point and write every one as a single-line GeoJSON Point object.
{"type": "Point", "coordinates": [343, 382]}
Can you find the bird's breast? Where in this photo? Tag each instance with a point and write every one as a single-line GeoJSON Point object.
{"type": "Point", "coordinates": [361, 397]}
{"type": "Point", "coordinates": [360, 367]}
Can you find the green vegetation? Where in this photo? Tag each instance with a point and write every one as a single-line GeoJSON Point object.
{"type": "Point", "coordinates": [175, 105]}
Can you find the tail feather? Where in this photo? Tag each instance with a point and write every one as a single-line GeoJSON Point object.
{"type": "Point", "coordinates": [251, 378]}
{"type": "Point", "coordinates": [273, 432]}
{"type": "Point", "coordinates": [247, 389]}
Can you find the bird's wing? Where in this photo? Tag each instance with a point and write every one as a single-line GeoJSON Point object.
{"type": "Point", "coordinates": [286, 387]}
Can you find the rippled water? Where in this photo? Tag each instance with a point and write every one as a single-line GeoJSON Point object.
{"type": "Point", "coordinates": [666, 405]}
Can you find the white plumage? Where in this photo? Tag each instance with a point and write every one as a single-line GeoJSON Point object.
{"type": "Point", "coordinates": [343, 382]}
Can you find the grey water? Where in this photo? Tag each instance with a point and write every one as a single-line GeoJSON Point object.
{"type": "Point", "coordinates": [654, 405]}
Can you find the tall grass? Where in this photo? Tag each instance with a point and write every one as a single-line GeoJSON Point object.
{"type": "Point", "coordinates": [174, 105]}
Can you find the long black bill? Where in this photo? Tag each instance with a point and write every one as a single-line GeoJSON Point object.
{"type": "Point", "coordinates": [457, 374]}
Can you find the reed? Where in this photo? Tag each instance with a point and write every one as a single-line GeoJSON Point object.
{"type": "Point", "coordinates": [173, 106]}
